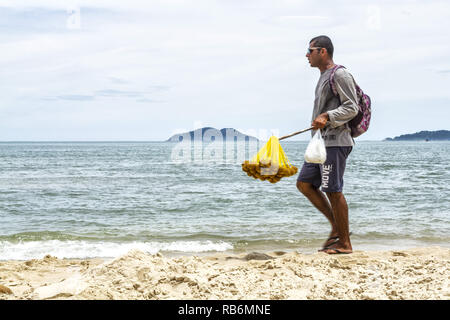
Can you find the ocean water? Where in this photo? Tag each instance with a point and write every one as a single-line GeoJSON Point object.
{"type": "Point", "coordinates": [102, 199]}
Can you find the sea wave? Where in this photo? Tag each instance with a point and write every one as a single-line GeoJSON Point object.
{"type": "Point", "coordinates": [85, 249]}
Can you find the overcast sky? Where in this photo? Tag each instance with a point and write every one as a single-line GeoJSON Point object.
{"type": "Point", "coordinates": [135, 70]}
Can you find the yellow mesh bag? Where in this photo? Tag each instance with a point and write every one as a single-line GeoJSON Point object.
{"type": "Point", "coordinates": [270, 163]}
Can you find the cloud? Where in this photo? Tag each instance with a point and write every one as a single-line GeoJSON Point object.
{"type": "Point", "coordinates": [118, 93]}
{"type": "Point", "coordinates": [107, 93]}
{"type": "Point", "coordinates": [118, 80]}
{"type": "Point", "coordinates": [159, 88]}
{"type": "Point", "coordinates": [226, 63]}
{"type": "Point", "coordinates": [76, 97]}
{"type": "Point", "coordinates": [146, 100]}
{"type": "Point", "coordinates": [32, 20]}
{"type": "Point", "coordinates": [299, 21]}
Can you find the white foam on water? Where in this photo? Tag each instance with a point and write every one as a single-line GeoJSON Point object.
{"type": "Point", "coordinates": [84, 249]}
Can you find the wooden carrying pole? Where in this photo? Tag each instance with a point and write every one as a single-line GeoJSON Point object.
{"type": "Point", "coordinates": [295, 133]}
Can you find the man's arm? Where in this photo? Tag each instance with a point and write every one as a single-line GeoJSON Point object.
{"type": "Point", "coordinates": [345, 87]}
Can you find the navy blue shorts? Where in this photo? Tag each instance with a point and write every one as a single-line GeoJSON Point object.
{"type": "Point", "coordinates": [330, 175]}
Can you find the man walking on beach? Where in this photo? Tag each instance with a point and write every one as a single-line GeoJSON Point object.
{"type": "Point", "coordinates": [330, 114]}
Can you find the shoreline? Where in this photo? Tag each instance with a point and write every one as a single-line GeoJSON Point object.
{"type": "Point", "coordinates": [63, 249]}
{"type": "Point", "coordinates": [419, 273]}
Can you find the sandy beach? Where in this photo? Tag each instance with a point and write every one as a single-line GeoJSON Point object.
{"type": "Point", "coordinates": [420, 273]}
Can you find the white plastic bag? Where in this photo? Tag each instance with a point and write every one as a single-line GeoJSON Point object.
{"type": "Point", "coordinates": [316, 152]}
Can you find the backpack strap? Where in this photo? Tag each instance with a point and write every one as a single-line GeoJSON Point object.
{"type": "Point", "coordinates": [331, 79]}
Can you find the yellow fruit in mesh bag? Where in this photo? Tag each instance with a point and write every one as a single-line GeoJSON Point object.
{"type": "Point", "coordinates": [287, 172]}
{"type": "Point", "coordinates": [274, 179]}
{"type": "Point", "coordinates": [265, 163]}
{"type": "Point", "coordinates": [270, 163]}
{"type": "Point", "coordinates": [271, 170]}
{"type": "Point", "coordinates": [283, 171]}
{"type": "Point", "coordinates": [294, 170]}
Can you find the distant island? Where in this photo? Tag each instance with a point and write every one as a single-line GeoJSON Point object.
{"type": "Point", "coordinates": [439, 135]}
{"type": "Point", "coordinates": [210, 134]}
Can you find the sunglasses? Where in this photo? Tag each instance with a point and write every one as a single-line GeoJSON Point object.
{"type": "Point", "coordinates": [310, 50]}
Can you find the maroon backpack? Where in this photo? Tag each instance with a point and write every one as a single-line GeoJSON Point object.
{"type": "Point", "coordinates": [360, 123]}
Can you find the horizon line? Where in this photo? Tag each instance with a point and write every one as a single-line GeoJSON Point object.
{"type": "Point", "coordinates": [20, 141]}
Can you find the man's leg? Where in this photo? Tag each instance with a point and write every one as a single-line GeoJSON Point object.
{"type": "Point", "coordinates": [319, 200]}
{"type": "Point", "coordinates": [332, 184]}
{"type": "Point", "coordinates": [340, 211]}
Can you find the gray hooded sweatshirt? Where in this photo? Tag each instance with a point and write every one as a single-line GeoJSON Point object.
{"type": "Point", "coordinates": [340, 110]}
